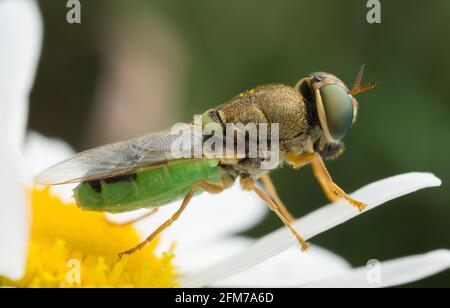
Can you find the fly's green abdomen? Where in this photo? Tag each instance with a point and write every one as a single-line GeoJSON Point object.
{"type": "Point", "coordinates": [145, 189]}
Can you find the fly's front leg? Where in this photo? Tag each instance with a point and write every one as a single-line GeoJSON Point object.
{"type": "Point", "coordinates": [249, 184]}
{"type": "Point", "coordinates": [213, 188]}
{"type": "Point", "coordinates": [298, 161]}
{"type": "Point", "coordinates": [337, 190]}
{"type": "Point", "coordinates": [331, 195]}
{"type": "Point", "coordinates": [324, 177]}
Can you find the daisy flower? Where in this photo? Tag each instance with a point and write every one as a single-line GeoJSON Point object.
{"type": "Point", "coordinates": [46, 241]}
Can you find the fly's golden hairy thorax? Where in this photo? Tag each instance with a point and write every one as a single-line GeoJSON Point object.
{"type": "Point", "coordinates": [269, 104]}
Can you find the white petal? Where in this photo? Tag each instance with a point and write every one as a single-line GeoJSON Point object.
{"type": "Point", "coordinates": [14, 220]}
{"type": "Point", "coordinates": [204, 255]}
{"type": "Point", "coordinates": [390, 273]}
{"type": "Point", "coordinates": [21, 39]}
{"type": "Point", "coordinates": [209, 217]}
{"type": "Point", "coordinates": [289, 268]}
{"type": "Point", "coordinates": [42, 152]}
{"type": "Point", "coordinates": [317, 222]}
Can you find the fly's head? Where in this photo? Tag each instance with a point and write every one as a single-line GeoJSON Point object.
{"type": "Point", "coordinates": [333, 107]}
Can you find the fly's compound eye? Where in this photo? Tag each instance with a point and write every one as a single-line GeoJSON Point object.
{"type": "Point", "coordinates": [338, 111]}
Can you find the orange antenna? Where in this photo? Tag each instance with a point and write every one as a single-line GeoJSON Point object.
{"type": "Point", "coordinates": [357, 87]}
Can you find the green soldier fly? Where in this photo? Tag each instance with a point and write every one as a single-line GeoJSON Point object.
{"type": "Point", "coordinates": [311, 118]}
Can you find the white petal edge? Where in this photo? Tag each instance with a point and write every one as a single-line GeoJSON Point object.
{"type": "Point", "coordinates": [21, 37]}
{"type": "Point", "coordinates": [309, 226]}
{"type": "Point", "coordinates": [41, 152]}
{"type": "Point", "coordinates": [391, 273]}
{"type": "Point", "coordinates": [205, 255]}
{"type": "Point", "coordinates": [14, 218]}
{"type": "Point", "coordinates": [289, 268]}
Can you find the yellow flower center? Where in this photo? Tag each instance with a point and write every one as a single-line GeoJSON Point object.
{"type": "Point", "coordinates": [71, 248]}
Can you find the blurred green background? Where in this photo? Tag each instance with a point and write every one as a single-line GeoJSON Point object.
{"type": "Point", "coordinates": [135, 66]}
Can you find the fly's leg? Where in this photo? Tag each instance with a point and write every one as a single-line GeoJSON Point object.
{"type": "Point", "coordinates": [213, 188]}
{"type": "Point", "coordinates": [331, 195]}
{"type": "Point", "coordinates": [271, 190]}
{"type": "Point", "coordinates": [337, 190]}
{"type": "Point", "coordinates": [249, 184]}
{"type": "Point", "coordinates": [325, 177]}
{"type": "Point", "coordinates": [298, 161]}
{"type": "Point", "coordinates": [132, 222]}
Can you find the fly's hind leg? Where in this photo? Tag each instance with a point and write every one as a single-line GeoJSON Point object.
{"type": "Point", "coordinates": [249, 184]}
{"type": "Point", "coordinates": [271, 190]}
{"type": "Point", "coordinates": [213, 188]}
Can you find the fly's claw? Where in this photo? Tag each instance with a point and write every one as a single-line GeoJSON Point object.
{"type": "Point", "coordinates": [305, 246]}
{"type": "Point", "coordinates": [359, 205]}
{"type": "Point", "coordinates": [296, 167]}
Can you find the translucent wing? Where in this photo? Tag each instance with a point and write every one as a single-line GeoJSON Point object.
{"type": "Point", "coordinates": [121, 158]}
